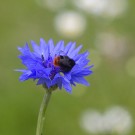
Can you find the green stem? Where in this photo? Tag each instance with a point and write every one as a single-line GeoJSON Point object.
{"type": "Point", "coordinates": [41, 116]}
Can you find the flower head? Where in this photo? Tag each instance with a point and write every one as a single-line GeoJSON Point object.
{"type": "Point", "coordinates": [52, 65]}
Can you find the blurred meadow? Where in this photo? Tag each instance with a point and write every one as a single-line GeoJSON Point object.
{"type": "Point", "coordinates": [107, 29]}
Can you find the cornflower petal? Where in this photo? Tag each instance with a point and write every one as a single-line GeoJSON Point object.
{"type": "Point", "coordinates": [67, 47]}
{"type": "Point", "coordinates": [51, 46]}
{"type": "Point", "coordinates": [71, 49]}
{"type": "Point", "coordinates": [59, 47]}
{"type": "Point", "coordinates": [81, 80]}
{"type": "Point", "coordinates": [36, 49]}
{"type": "Point", "coordinates": [75, 52]}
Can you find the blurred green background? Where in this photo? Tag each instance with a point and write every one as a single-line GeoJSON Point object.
{"type": "Point", "coordinates": [112, 83]}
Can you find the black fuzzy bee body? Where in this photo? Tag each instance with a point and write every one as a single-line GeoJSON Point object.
{"type": "Point", "coordinates": [64, 62]}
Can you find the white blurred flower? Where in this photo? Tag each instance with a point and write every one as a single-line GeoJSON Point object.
{"type": "Point", "coordinates": [52, 5]}
{"type": "Point", "coordinates": [130, 66]}
{"type": "Point", "coordinates": [70, 24]}
{"type": "Point", "coordinates": [92, 122]}
{"type": "Point", "coordinates": [111, 45]}
{"type": "Point", "coordinates": [91, 6]}
{"type": "Point", "coordinates": [119, 120]}
{"type": "Point", "coordinates": [114, 120]}
{"type": "Point", "coordinates": [107, 8]}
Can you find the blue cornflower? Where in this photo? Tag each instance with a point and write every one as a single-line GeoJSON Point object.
{"type": "Point", "coordinates": [52, 65]}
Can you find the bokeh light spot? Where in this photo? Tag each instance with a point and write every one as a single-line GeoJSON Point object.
{"type": "Point", "coordinates": [104, 8]}
{"type": "Point", "coordinates": [114, 120]}
{"type": "Point", "coordinates": [70, 24]}
{"type": "Point", "coordinates": [111, 45]}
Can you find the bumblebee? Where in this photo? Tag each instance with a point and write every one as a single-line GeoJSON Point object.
{"type": "Point", "coordinates": [64, 62]}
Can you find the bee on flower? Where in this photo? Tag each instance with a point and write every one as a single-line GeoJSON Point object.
{"type": "Point", "coordinates": [55, 65]}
